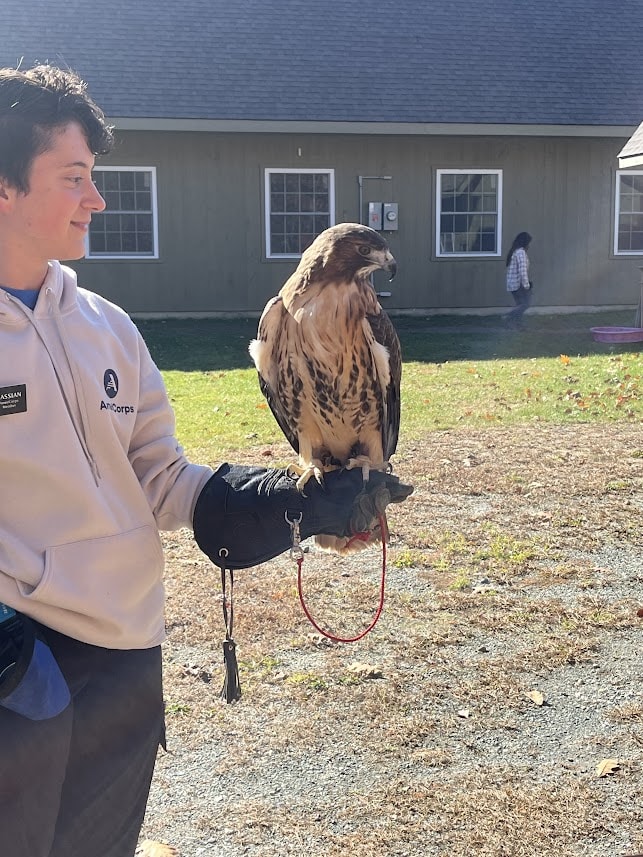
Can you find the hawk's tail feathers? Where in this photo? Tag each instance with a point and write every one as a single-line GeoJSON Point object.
{"type": "Point", "coordinates": [345, 545]}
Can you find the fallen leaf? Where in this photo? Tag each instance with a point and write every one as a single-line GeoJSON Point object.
{"type": "Point", "coordinates": [536, 696]}
{"type": "Point", "coordinates": [150, 848]}
{"type": "Point", "coordinates": [422, 754]}
{"type": "Point", "coordinates": [364, 670]}
{"type": "Point", "coordinates": [319, 640]}
{"type": "Point", "coordinates": [432, 757]}
{"type": "Point", "coordinates": [197, 671]}
{"type": "Point", "coordinates": [607, 766]}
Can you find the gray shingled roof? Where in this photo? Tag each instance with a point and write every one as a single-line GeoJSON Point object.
{"type": "Point", "coordinates": [465, 61]}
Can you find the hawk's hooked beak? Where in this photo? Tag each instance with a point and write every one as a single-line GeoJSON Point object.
{"type": "Point", "coordinates": [390, 266]}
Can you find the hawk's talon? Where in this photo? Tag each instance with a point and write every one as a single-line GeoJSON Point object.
{"type": "Point", "coordinates": [366, 465]}
{"type": "Point", "coordinates": [315, 468]}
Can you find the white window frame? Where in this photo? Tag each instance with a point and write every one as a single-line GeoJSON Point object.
{"type": "Point", "coordinates": [140, 257]}
{"type": "Point", "coordinates": [439, 252]}
{"type": "Point", "coordinates": [267, 212]}
{"type": "Point", "coordinates": [617, 212]}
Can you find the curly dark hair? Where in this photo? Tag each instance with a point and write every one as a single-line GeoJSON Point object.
{"type": "Point", "coordinates": [33, 105]}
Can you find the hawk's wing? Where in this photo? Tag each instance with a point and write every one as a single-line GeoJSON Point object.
{"type": "Point", "coordinates": [272, 367]}
{"type": "Point", "coordinates": [386, 335]}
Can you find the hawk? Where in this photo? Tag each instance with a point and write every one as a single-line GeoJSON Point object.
{"type": "Point", "coordinates": [329, 360]}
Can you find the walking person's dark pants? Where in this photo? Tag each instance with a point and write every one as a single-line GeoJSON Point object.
{"type": "Point", "coordinates": [522, 299]}
{"type": "Point", "coordinates": [76, 785]}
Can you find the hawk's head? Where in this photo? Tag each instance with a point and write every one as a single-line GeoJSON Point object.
{"type": "Point", "coordinates": [349, 250]}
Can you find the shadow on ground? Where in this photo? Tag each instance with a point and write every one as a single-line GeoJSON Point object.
{"type": "Point", "coordinates": [190, 345]}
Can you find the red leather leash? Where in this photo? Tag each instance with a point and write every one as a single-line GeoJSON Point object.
{"type": "Point", "coordinates": [297, 555]}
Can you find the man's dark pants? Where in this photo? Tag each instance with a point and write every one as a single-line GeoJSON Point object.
{"type": "Point", "coordinates": [77, 785]}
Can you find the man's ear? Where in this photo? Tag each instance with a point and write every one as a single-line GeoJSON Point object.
{"type": "Point", "coordinates": [5, 190]}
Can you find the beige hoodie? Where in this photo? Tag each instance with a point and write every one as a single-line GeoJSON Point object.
{"type": "Point", "coordinates": [90, 469]}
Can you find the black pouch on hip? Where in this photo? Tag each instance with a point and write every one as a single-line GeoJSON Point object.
{"type": "Point", "coordinates": [31, 683]}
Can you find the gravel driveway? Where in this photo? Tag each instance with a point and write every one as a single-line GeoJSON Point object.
{"type": "Point", "coordinates": [515, 570]}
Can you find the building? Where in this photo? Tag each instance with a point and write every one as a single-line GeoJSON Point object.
{"type": "Point", "coordinates": [244, 128]}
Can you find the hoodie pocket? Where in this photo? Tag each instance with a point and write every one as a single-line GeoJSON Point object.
{"type": "Point", "coordinates": [111, 577]}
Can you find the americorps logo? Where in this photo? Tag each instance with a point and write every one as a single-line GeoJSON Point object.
{"type": "Point", "coordinates": [110, 382]}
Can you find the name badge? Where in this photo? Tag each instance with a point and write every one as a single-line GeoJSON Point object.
{"type": "Point", "coordinates": [13, 400]}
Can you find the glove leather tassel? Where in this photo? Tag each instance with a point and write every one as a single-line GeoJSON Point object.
{"type": "Point", "coordinates": [231, 690]}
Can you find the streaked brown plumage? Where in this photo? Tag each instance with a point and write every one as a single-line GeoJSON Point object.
{"type": "Point", "coordinates": [329, 358]}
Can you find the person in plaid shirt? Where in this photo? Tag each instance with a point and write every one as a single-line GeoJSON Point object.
{"type": "Point", "coordinates": [518, 282]}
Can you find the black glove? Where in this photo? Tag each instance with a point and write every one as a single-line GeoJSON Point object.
{"type": "Point", "coordinates": [240, 515]}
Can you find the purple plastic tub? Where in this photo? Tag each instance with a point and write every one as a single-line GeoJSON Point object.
{"type": "Point", "coordinates": [617, 334]}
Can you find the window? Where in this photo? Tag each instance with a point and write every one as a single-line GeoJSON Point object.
{"type": "Point", "coordinates": [127, 229]}
{"type": "Point", "coordinates": [468, 212]}
{"type": "Point", "coordinates": [299, 205]}
{"type": "Point", "coordinates": [628, 233]}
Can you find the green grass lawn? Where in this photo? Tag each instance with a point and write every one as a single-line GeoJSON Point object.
{"type": "Point", "coordinates": [458, 371]}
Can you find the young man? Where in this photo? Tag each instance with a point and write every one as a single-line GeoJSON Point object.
{"type": "Point", "coordinates": [91, 471]}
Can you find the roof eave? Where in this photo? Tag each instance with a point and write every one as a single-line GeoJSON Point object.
{"type": "Point", "coordinates": [264, 126]}
{"type": "Point", "coordinates": [630, 161]}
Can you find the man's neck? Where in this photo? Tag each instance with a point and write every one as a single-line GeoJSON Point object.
{"type": "Point", "coordinates": [20, 274]}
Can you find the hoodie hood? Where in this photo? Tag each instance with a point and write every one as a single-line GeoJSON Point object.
{"type": "Point", "coordinates": [59, 286]}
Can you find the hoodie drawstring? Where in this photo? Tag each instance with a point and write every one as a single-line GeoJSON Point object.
{"type": "Point", "coordinates": [82, 430]}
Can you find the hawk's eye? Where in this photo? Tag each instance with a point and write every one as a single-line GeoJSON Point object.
{"type": "Point", "coordinates": [364, 250]}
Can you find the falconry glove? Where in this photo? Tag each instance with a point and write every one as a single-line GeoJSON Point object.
{"type": "Point", "coordinates": [240, 515]}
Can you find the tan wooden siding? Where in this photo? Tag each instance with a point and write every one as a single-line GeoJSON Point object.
{"type": "Point", "coordinates": [211, 219]}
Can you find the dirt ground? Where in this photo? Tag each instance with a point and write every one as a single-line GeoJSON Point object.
{"type": "Point", "coordinates": [495, 709]}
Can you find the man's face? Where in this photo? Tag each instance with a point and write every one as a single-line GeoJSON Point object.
{"type": "Point", "coordinates": [51, 221]}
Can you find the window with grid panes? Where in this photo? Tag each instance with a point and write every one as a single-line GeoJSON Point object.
{"type": "Point", "coordinates": [628, 238]}
{"type": "Point", "coordinates": [127, 227]}
{"type": "Point", "coordinates": [468, 212]}
{"type": "Point", "coordinates": [299, 205]}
